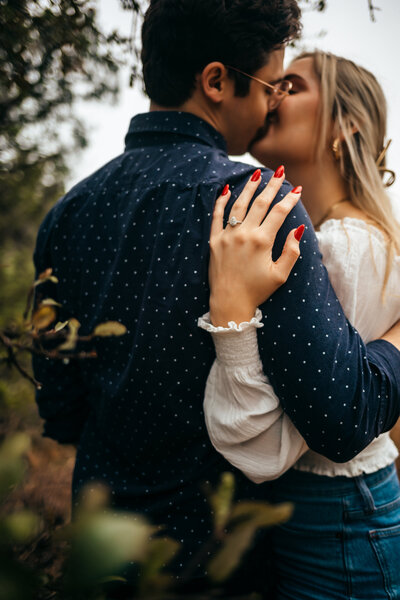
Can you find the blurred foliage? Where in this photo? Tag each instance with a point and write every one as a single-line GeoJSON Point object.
{"type": "Point", "coordinates": [37, 333]}
{"type": "Point", "coordinates": [102, 545]}
{"type": "Point", "coordinates": [17, 581]}
{"type": "Point", "coordinates": [52, 54]}
{"type": "Point", "coordinates": [235, 525]}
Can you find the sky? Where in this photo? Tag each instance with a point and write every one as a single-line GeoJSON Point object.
{"type": "Point", "coordinates": [345, 28]}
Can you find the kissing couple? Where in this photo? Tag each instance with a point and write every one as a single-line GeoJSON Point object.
{"type": "Point", "coordinates": [300, 377]}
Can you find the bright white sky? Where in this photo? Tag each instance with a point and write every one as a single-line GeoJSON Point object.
{"type": "Point", "coordinates": [347, 30]}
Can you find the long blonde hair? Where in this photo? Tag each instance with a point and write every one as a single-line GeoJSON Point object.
{"type": "Point", "coordinates": [354, 100]}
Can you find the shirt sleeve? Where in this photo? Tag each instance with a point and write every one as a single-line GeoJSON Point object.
{"type": "Point", "coordinates": [244, 419]}
{"type": "Point", "coordinates": [339, 393]}
{"type": "Point", "coordinates": [62, 397]}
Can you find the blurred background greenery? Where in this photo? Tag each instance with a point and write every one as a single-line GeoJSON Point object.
{"type": "Point", "coordinates": [52, 54]}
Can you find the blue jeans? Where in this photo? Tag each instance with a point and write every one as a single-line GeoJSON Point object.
{"type": "Point", "coordinates": [343, 541]}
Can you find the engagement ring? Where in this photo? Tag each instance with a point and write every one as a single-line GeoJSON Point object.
{"type": "Point", "coordinates": [233, 221]}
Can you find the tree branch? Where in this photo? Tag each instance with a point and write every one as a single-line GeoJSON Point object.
{"type": "Point", "coordinates": [12, 360]}
{"type": "Point", "coordinates": [372, 10]}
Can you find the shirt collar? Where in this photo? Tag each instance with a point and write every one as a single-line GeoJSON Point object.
{"type": "Point", "coordinates": [175, 122]}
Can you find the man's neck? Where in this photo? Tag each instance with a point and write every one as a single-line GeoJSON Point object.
{"type": "Point", "coordinates": [203, 112]}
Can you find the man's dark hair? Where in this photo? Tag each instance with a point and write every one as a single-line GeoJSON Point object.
{"type": "Point", "coordinates": [180, 37]}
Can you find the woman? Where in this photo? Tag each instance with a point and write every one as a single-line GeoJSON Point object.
{"type": "Point", "coordinates": [344, 538]}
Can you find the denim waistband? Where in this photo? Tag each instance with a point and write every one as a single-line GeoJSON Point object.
{"type": "Point", "coordinates": [320, 484]}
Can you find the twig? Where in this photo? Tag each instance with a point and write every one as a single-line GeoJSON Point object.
{"type": "Point", "coordinates": [29, 302]}
{"type": "Point", "coordinates": [54, 354]}
{"type": "Point", "coordinates": [12, 360]}
{"type": "Point", "coordinates": [372, 10]}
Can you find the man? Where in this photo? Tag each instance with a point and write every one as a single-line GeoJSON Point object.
{"type": "Point", "coordinates": [130, 243]}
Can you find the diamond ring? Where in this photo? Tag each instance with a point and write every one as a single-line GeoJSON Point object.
{"type": "Point", "coordinates": [233, 221]}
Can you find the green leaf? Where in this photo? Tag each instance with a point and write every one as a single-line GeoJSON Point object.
{"type": "Point", "coordinates": [60, 325]}
{"type": "Point", "coordinates": [112, 578]}
{"type": "Point", "coordinates": [109, 328]}
{"type": "Point", "coordinates": [49, 302]}
{"type": "Point", "coordinates": [45, 276]}
{"type": "Point", "coordinates": [221, 501]}
{"type": "Point", "coordinates": [12, 466]}
{"type": "Point", "coordinates": [103, 542]}
{"type": "Point", "coordinates": [253, 516]}
{"type": "Point", "coordinates": [268, 514]}
{"type": "Point", "coordinates": [15, 446]}
{"type": "Point", "coordinates": [19, 527]}
{"type": "Point", "coordinates": [228, 558]}
{"type": "Point", "coordinates": [43, 317]}
{"type": "Point", "coordinates": [160, 551]}
{"type": "Point", "coordinates": [72, 337]}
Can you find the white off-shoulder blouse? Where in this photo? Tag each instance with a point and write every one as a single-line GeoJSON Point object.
{"type": "Point", "coordinates": [243, 415]}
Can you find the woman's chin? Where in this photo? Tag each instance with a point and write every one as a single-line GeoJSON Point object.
{"type": "Point", "coordinates": [262, 151]}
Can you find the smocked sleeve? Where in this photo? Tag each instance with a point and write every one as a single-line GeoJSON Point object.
{"type": "Point", "coordinates": [243, 416]}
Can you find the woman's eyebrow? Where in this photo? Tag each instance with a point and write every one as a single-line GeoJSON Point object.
{"type": "Point", "coordinates": [294, 76]}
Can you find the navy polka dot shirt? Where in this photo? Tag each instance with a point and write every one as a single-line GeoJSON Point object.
{"type": "Point", "coordinates": [130, 243]}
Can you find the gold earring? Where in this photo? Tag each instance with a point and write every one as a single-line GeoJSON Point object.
{"type": "Point", "coordinates": [335, 148]}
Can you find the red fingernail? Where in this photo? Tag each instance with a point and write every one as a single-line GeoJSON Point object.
{"type": "Point", "coordinates": [225, 190]}
{"type": "Point", "coordinates": [256, 175]}
{"type": "Point", "coordinates": [297, 190]}
{"type": "Point", "coordinates": [279, 172]}
{"type": "Point", "coordinates": [298, 234]}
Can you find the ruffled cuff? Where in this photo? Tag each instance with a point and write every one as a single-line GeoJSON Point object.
{"type": "Point", "coordinates": [235, 345]}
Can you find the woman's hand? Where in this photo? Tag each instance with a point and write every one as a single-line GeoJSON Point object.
{"type": "Point", "coordinates": [242, 273]}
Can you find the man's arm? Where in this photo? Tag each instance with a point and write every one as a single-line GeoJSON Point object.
{"type": "Point", "coordinates": [62, 398]}
{"type": "Point", "coordinates": [339, 392]}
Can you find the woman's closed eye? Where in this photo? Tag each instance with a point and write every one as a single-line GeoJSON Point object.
{"type": "Point", "coordinates": [296, 87]}
{"type": "Point", "coordinates": [298, 83]}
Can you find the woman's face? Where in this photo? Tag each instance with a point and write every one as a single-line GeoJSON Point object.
{"type": "Point", "coordinates": [291, 136]}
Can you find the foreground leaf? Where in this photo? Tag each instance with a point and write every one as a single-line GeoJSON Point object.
{"type": "Point", "coordinates": [60, 325]}
{"type": "Point", "coordinates": [221, 501]}
{"type": "Point", "coordinates": [19, 527]}
{"type": "Point", "coordinates": [102, 544]}
{"type": "Point", "coordinates": [50, 302]}
{"type": "Point", "coordinates": [160, 551]}
{"type": "Point", "coordinates": [45, 276]}
{"type": "Point", "coordinates": [109, 328]}
{"type": "Point", "coordinates": [12, 466]}
{"type": "Point", "coordinates": [43, 317]}
{"type": "Point", "coordinates": [72, 337]}
{"type": "Point", "coordinates": [238, 541]}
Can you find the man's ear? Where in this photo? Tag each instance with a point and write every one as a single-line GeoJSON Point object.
{"type": "Point", "coordinates": [213, 81]}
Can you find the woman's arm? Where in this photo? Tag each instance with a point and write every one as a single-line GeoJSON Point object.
{"type": "Point", "coordinates": [244, 419]}
{"type": "Point", "coordinates": [307, 342]}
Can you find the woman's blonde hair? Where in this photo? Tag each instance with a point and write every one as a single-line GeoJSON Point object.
{"type": "Point", "coordinates": [354, 100]}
